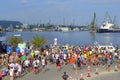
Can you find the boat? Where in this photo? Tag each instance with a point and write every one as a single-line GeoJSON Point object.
{"type": "Point", "coordinates": [108, 48]}
{"type": "Point", "coordinates": [107, 27]}
{"type": "Point", "coordinates": [17, 35]}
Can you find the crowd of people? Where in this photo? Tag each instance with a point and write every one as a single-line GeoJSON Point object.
{"type": "Point", "coordinates": [77, 56]}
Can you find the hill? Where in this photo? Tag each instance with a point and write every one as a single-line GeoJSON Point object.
{"type": "Point", "coordinates": [5, 23]}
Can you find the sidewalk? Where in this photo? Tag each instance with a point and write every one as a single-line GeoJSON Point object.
{"type": "Point", "coordinates": [102, 72]}
{"type": "Point", "coordinates": [53, 74]}
{"type": "Point", "coordinates": [107, 76]}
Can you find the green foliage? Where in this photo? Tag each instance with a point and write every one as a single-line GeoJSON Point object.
{"type": "Point", "coordinates": [38, 41]}
{"type": "Point", "coordinates": [13, 40]}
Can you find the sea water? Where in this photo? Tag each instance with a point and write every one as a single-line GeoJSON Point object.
{"type": "Point", "coordinates": [73, 38]}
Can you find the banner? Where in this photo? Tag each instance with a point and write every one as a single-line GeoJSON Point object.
{"type": "Point", "coordinates": [22, 47]}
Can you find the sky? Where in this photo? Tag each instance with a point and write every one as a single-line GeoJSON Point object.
{"type": "Point", "coordinates": [77, 12]}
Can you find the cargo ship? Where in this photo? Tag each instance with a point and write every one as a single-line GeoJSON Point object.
{"type": "Point", "coordinates": [107, 27]}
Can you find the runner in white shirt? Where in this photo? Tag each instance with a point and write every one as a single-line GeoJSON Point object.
{"type": "Point", "coordinates": [15, 69]}
{"type": "Point", "coordinates": [56, 56]}
{"type": "Point", "coordinates": [36, 63]}
{"type": "Point", "coordinates": [11, 65]}
{"type": "Point", "coordinates": [43, 64]}
{"type": "Point", "coordinates": [65, 58]}
{"type": "Point", "coordinates": [116, 57]}
{"type": "Point", "coordinates": [27, 65]}
{"type": "Point", "coordinates": [19, 69]}
{"type": "Point", "coordinates": [36, 53]}
{"type": "Point", "coordinates": [11, 72]}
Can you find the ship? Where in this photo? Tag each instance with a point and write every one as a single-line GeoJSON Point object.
{"type": "Point", "coordinates": [107, 27]}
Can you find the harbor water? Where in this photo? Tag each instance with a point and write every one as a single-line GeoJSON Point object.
{"type": "Point", "coordinates": [73, 38]}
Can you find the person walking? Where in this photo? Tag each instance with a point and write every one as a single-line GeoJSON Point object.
{"type": "Point", "coordinates": [65, 76]}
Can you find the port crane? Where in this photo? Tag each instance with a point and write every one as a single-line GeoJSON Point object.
{"type": "Point", "coordinates": [92, 25]}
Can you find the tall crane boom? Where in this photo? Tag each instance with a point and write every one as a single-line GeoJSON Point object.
{"type": "Point", "coordinates": [92, 25]}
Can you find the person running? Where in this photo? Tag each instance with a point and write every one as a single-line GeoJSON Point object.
{"type": "Point", "coordinates": [11, 71]}
{"type": "Point", "coordinates": [36, 53]}
{"type": "Point", "coordinates": [78, 64]}
{"type": "Point", "coordinates": [58, 65]}
{"type": "Point", "coordinates": [65, 58]}
{"type": "Point", "coordinates": [19, 69]}
{"type": "Point", "coordinates": [27, 65]}
{"type": "Point", "coordinates": [43, 64]}
{"type": "Point", "coordinates": [72, 62]}
{"type": "Point", "coordinates": [36, 65]}
{"type": "Point", "coordinates": [15, 69]}
{"type": "Point", "coordinates": [51, 58]}
{"type": "Point", "coordinates": [65, 76]}
{"type": "Point", "coordinates": [108, 62]}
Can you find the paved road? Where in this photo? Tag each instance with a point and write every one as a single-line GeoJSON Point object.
{"type": "Point", "coordinates": [106, 76]}
{"type": "Point", "coordinates": [53, 74]}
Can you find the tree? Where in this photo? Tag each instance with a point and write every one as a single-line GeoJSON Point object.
{"type": "Point", "coordinates": [38, 41]}
{"type": "Point", "coordinates": [13, 40]}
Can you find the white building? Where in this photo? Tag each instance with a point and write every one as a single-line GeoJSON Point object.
{"type": "Point", "coordinates": [64, 29]}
